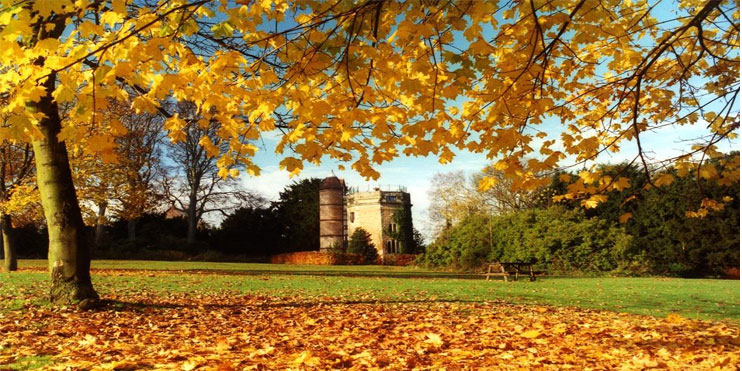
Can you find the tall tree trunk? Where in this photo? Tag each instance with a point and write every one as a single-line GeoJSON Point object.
{"type": "Point", "coordinates": [192, 222]}
{"type": "Point", "coordinates": [131, 229]}
{"type": "Point", "coordinates": [11, 263]}
{"type": "Point", "coordinates": [99, 226]}
{"type": "Point", "coordinates": [69, 252]}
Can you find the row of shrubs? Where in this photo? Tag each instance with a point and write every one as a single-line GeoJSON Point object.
{"type": "Point", "coordinates": [561, 240]}
{"type": "Point", "coordinates": [161, 243]}
{"type": "Point", "coordinates": [555, 238]}
{"type": "Point", "coordinates": [322, 258]}
{"type": "Point", "coordinates": [659, 237]}
{"type": "Point", "coordinates": [317, 258]}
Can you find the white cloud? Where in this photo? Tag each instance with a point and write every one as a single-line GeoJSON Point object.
{"type": "Point", "coordinates": [415, 173]}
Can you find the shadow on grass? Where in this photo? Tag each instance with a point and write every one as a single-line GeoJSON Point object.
{"type": "Point", "coordinates": [323, 272]}
{"type": "Point", "coordinates": [118, 305]}
{"type": "Point", "coordinates": [329, 273]}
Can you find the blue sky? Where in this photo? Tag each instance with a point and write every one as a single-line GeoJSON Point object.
{"type": "Point", "coordinates": [415, 173]}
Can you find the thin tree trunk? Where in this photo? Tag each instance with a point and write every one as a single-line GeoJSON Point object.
{"type": "Point", "coordinates": [69, 252]}
{"type": "Point", "coordinates": [192, 222]}
{"type": "Point", "coordinates": [9, 246]}
{"type": "Point", "coordinates": [99, 226]}
{"type": "Point", "coordinates": [131, 229]}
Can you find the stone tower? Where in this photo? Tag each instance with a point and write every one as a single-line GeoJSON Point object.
{"type": "Point", "coordinates": [374, 211]}
{"type": "Point", "coordinates": [332, 228]}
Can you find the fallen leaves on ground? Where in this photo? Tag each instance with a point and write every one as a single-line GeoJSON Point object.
{"type": "Point", "coordinates": [235, 332]}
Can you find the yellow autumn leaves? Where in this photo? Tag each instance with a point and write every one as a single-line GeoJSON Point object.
{"type": "Point", "coordinates": [245, 332]}
{"type": "Point", "coordinates": [532, 85]}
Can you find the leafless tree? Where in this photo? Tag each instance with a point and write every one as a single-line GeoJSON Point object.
{"type": "Point", "coordinates": [502, 197]}
{"type": "Point", "coordinates": [194, 184]}
{"type": "Point", "coordinates": [455, 195]}
{"type": "Point", "coordinates": [140, 159]}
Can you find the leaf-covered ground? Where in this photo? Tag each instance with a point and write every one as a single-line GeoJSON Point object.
{"type": "Point", "coordinates": [228, 332]}
{"type": "Point", "coordinates": [143, 328]}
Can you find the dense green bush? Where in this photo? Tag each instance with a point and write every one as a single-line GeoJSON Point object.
{"type": "Point", "coordinates": [555, 238]}
{"type": "Point", "coordinates": [666, 241]}
{"type": "Point", "coordinates": [248, 231]}
{"type": "Point", "coordinates": [659, 238]}
{"type": "Point", "coordinates": [669, 242]}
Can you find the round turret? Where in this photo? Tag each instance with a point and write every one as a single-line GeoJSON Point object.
{"type": "Point", "coordinates": [331, 213]}
{"type": "Point", "coordinates": [331, 182]}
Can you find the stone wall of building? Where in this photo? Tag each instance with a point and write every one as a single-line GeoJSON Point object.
{"type": "Point", "coordinates": [374, 212]}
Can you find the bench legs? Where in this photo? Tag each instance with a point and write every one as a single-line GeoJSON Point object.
{"type": "Point", "coordinates": [530, 273]}
{"type": "Point", "coordinates": [505, 274]}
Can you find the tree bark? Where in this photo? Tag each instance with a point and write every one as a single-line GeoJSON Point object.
{"type": "Point", "coordinates": [9, 246]}
{"type": "Point", "coordinates": [69, 252]}
{"type": "Point", "coordinates": [131, 230]}
{"type": "Point", "coordinates": [192, 222]}
{"type": "Point", "coordinates": [99, 226]}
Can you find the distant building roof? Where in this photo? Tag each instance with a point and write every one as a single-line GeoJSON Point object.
{"type": "Point", "coordinates": [173, 213]}
{"type": "Point", "coordinates": [331, 182]}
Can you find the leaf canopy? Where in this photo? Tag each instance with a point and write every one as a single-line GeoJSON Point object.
{"type": "Point", "coordinates": [535, 85]}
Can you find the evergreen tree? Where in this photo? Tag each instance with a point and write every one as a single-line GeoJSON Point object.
{"type": "Point", "coordinates": [360, 243]}
{"type": "Point", "coordinates": [297, 211]}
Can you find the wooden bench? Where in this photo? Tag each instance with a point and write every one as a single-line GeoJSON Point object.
{"type": "Point", "coordinates": [506, 269]}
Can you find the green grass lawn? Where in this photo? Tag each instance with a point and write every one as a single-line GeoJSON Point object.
{"type": "Point", "coordinates": [692, 298]}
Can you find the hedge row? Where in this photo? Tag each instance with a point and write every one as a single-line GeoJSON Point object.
{"type": "Point", "coordinates": [322, 258]}
{"type": "Point", "coordinates": [564, 240]}
{"type": "Point", "coordinates": [555, 239]}
{"type": "Point", "coordinates": [316, 258]}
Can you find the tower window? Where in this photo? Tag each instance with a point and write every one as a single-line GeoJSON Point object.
{"type": "Point", "coordinates": [352, 217]}
{"type": "Point", "coordinates": [391, 198]}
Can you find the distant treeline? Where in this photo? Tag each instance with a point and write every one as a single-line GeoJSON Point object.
{"type": "Point", "coordinates": [253, 234]}
{"type": "Point", "coordinates": [290, 224]}
{"type": "Point", "coordinates": [659, 238]}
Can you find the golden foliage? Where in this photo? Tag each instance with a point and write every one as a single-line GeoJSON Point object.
{"type": "Point", "coordinates": [535, 84]}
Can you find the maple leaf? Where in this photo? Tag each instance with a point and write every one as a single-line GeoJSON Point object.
{"type": "Point", "coordinates": [664, 180]}
{"type": "Point", "coordinates": [594, 201]}
{"type": "Point", "coordinates": [621, 184]}
{"type": "Point", "coordinates": [433, 339]}
{"type": "Point", "coordinates": [531, 334]}
{"type": "Point", "coordinates": [89, 340]}
{"type": "Point", "coordinates": [624, 217]}
{"type": "Point", "coordinates": [34, 94]}
{"type": "Point", "coordinates": [306, 358]}
{"type": "Point", "coordinates": [222, 345]}
{"type": "Point", "coordinates": [47, 7]}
